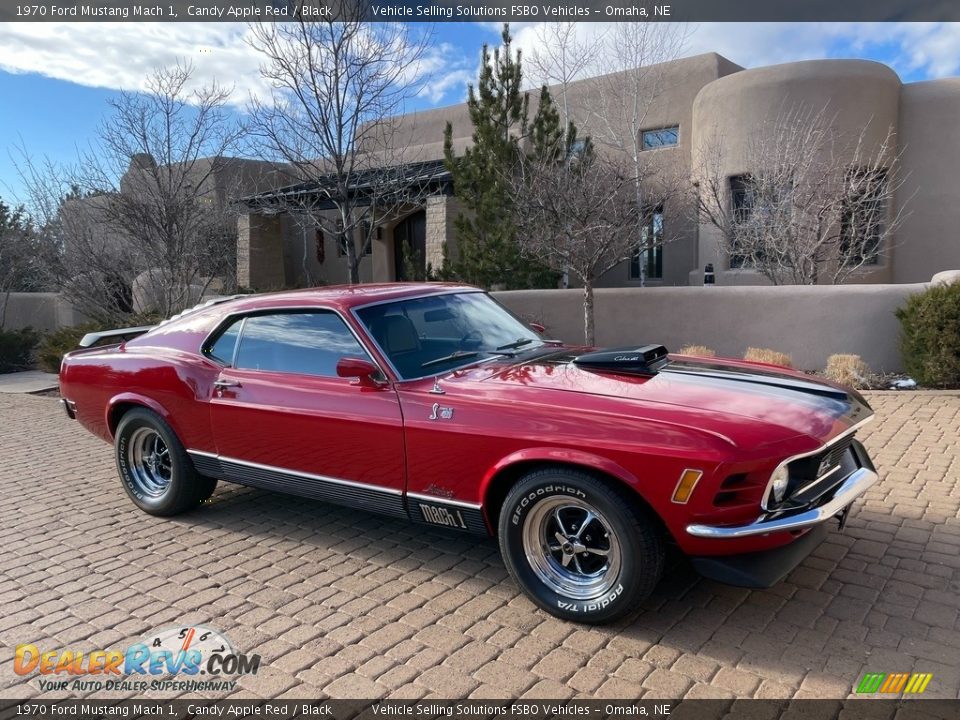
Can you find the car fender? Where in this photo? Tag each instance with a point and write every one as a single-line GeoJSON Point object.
{"type": "Point", "coordinates": [132, 398]}
{"type": "Point", "coordinates": [566, 456]}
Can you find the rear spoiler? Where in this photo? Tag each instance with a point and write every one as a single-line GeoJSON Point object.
{"type": "Point", "coordinates": [91, 339]}
{"type": "Point", "coordinates": [645, 360]}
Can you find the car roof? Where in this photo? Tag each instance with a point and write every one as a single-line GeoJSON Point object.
{"type": "Point", "coordinates": [344, 296]}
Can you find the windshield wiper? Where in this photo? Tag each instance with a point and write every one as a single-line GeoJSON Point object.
{"type": "Point", "coordinates": [455, 355]}
{"type": "Point", "coordinates": [515, 344]}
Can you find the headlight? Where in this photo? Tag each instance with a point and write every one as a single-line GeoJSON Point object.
{"type": "Point", "coordinates": [778, 483]}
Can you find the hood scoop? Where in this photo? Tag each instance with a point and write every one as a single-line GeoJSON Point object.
{"type": "Point", "coordinates": [645, 360]}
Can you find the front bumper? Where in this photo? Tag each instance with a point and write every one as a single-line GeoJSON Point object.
{"type": "Point", "coordinates": [760, 569]}
{"type": "Point", "coordinates": [853, 486]}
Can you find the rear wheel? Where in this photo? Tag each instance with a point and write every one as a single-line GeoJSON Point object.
{"type": "Point", "coordinates": [580, 548]}
{"type": "Point", "coordinates": [154, 467]}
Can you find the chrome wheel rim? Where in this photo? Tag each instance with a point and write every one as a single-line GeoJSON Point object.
{"type": "Point", "coordinates": [148, 459]}
{"type": "Point", "coordinates": [572, 548]}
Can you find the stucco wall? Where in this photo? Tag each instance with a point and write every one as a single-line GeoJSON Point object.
{"type": "Point", "coordinates": [678, 83]}
{"type": "Point", "coordinates": [741, 110]}
{"type": "Point", "coordinates": [809, 323]}
{"type": "Point", "coordinates": [929, 233]}
{"type": "Point", "coordinates": [43, 311]}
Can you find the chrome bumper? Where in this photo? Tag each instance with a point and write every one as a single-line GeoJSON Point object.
{"type": "Point", "coordinates": [69, 407]}
{"type": "Point", "coordinates": [856, 484]}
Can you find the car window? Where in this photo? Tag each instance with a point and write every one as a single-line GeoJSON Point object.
{"type": "Point", "coordinates": [427, 335]}
{"type": "Point", "coordinates": [223, 347]}
{"type": "Point", "coordinates": [310, 343]}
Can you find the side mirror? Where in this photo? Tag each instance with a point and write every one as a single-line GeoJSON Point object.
{"type": "Point", "coordinates": [538, 327]}
{"type": "Point", "coordinates": [363, 371]}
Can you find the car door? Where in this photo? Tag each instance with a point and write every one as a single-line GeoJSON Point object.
{"type": "Point", "coordinates": [282, 418]}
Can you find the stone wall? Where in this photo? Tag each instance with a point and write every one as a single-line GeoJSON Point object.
{"type": "Point", "coordinates": [260, 251]}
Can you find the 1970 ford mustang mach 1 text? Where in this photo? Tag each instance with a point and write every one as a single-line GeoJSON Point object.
{"type": "Point", "coordinates": [433, 403]}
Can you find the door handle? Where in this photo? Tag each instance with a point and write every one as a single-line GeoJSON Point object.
{"type": "Point", "coordinates": [224, 384]}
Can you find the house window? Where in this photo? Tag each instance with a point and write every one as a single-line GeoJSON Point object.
{"type": "Point", "coordinates": [577, 150]}
{"type": "Point", "coordinates": [742, 199]}
{"type": "Point", "coordinates": [647, 261]}
{"type": "Point", "coordinates": [363, 231]}
{"type": "Point", "coordinates": [861, 220]}
{"type": "Point", "coordinates": [321, 246]}
{"type": "Point", "coordinates": [661, 137]}
{"type": "Point", "coordinates": [342, 240]}
{"type": "Point", "coordinates": [368, 235]}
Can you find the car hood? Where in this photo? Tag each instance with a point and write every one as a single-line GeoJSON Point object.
{"type": "Point", "coordinates": [776, 396]}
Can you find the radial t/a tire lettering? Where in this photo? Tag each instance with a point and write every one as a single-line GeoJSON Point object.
{"type": "Point", "coordinates": [154, 467]}
{"type": "Point", "coordinates": [580, 547]}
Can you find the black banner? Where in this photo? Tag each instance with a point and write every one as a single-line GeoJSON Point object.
{"type": "Point", "coordinates": [867, 709]}
{"type": "Point", "coordinates": [474, 10]}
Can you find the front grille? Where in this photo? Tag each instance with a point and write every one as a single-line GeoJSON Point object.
{"type": "Point", "coordinates": [812, 468]}
{"type": "Point", "coordinates": [815, 476]}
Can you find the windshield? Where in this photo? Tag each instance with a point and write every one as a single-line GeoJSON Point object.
{"type": "Point", "coordinates": [429, 335]}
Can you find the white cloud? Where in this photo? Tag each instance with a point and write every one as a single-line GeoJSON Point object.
{"type": "Point", "coordinates": [445, 70]}
{"type": "Point", "coordinates": [924, 50]}
{"type": "Point", "coordinates": [121, 55]}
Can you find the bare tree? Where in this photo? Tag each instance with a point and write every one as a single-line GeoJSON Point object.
{"type": "Point", "coordinates": [91, 266]}
{"type": "Point", "coordinates": [575, 211]}
{"type": "Point", "coordinates": [149, 195]}
{"type": "Point", "coordinates": [562, 56]}
{"type": "Point", "coordinates": [816, 206]}
{"type": "Point", "coordinates": [619, 102]}
{"type": "Point", "coordinates": [335, 88]}
{"type": "Point", "coordinates": [19, 268]}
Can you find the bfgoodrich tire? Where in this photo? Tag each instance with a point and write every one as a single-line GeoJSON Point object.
{"type": "Point", "coordinates": [154, 468]}
{"type": "Point", "coordinates": [581, 548]}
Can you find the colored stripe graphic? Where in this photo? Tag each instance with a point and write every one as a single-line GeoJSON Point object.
{"type": "Point", "coordinates": [871, 682]}
{"type": "Point", "coordinates": [894, 683]}
{"type": "Point", "coordinates": [918, 683]}
{"type": "Point", "coordinates": [888, 683]}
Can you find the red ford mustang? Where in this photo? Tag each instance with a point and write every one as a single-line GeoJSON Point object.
{"type": "Point", "coordinates": [433, 403]}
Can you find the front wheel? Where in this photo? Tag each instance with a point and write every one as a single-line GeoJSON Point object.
{"type": "Point", "coordinates": [154, 467]}
{"type": "Point", "coordinates": [580, 548]}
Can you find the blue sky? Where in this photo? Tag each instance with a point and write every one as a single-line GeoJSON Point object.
{"type": "Point", "coordinates": [59, 77]}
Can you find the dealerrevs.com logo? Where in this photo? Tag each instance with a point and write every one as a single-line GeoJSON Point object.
{"type": "Point", "coordinates": [151, 664]}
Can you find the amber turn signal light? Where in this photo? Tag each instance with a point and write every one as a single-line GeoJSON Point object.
{"type": "Point", "coordinates": [688, 481]}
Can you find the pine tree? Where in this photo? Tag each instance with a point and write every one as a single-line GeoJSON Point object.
{"type": "Point", "coordinates": [549, 140]}
{"type": "Point", "coordinates": [487, 250]}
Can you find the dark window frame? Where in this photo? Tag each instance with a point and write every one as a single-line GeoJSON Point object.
{"type": "Point", "coordinates": [876, 221]}
{"type": "Point", "coordinates": [241, 319]}
{"type": "Point", "coordinates": [321, 248]}
{"type": "Point", "coordinates": [652, 255]}
{"type": "Point", "coordinates": [660, 133]}
{"type": "Point", "coordinates": [342, 239]}
{"type": "Point", "coordinates": [741, 206]}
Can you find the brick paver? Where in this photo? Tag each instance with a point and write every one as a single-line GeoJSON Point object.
{"type": "Point", "coordinates": [342, 603]}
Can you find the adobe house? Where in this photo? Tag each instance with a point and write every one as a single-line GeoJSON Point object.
{"type": "Point", "coordinates": [278, 246]}
{"type": "Point", "coordinates": [702, 97]}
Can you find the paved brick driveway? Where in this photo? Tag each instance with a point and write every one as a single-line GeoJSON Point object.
{"type": "Point", "coordinates": [345, 604]}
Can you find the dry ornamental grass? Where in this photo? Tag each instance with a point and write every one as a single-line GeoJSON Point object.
{"type": "Point", "coordinates": [849, 370]}
{"type": "Point", "coordinates": [771, 357]}
{"type": "Point", "coordinates": [697, 351]}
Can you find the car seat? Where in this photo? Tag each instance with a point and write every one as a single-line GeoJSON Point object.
{"type": "Point", "coordinates": [398, 338]}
